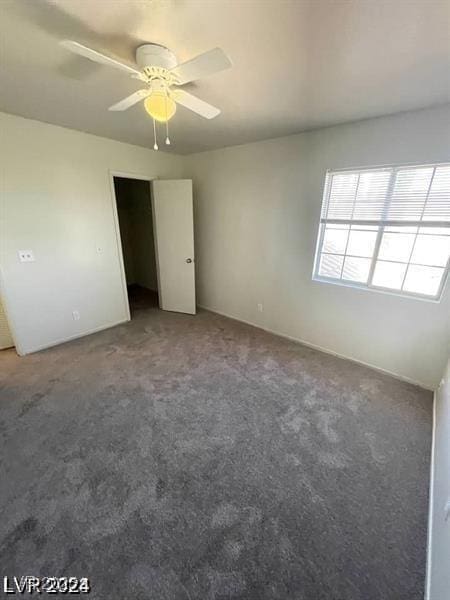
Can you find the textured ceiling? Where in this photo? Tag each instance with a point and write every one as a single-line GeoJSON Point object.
{"type": "Point", "coordinates": [297, 64]}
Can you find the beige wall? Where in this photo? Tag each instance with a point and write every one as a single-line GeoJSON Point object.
{"type": "Point", "coordinates": [56, 200]}
{"type": "Point", "coordinates": [256, 219]}
{"type": "Point", "coordinates": [438, 572]}
{"type": "Point", "coordinates": [257, 211]}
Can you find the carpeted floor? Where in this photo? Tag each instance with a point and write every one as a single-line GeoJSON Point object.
{"type": "Point", "coordinates": [198, 458]}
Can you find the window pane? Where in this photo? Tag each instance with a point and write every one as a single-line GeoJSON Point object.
{"type": "Point", "coordinates": [396, 246]}
{"type": "Point", "coordinates": [342, 195]}
{"type": "Point", "coordinates": [361, 243]}
{"type": "Point", "coordinates": [335, 239]}
{"type": "Point", "coordinates": [399, 229]}
{"type": "Point", "coordinates": [435, 230]}
{"type": "Point", "coordinates": [431, 250]}
{"type": "Point", "coordinates": [438, 203]}
{"type": "Point", "coordinates": [331, 266]}
{"type": "Point", "coordinates": [410, 193]}
{"type": "Point", "coordinates": [423, 280]}
{"type": "Point", "coordinates": [356, 269]}
{"type": "Point", "coordinates": [364, 227]}
{"type": "Point", "coordinates": [371, 194]}
{"type": "Point", "coordinates": [389, 274]}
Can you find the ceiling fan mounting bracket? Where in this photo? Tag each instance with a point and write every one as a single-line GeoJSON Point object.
{"type": "Point", "coordinates": [154, 55]}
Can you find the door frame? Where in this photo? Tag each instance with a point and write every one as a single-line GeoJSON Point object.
{"type": "Point", "coordinates": [9, 319]}
{"type": "Point", "coordinates": [125, 175]}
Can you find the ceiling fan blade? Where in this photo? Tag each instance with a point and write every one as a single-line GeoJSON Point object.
{"type": "Point", "coordinates": [97, 57]}
{"type": "Point", "coordinates": [130, 100]}
{"type": "Point", "coordinates": [205, 64]}
{"type": "Point", "coordinates": [193, 103]}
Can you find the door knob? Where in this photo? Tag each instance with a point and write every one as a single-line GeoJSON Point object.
{"type": "Point", "coordinates": [189, 260]}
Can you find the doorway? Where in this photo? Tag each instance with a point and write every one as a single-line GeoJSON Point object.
{"type": "Point", "coordinates": [6, 340]}
{"type": "Point", "coordinates": [134, 212]}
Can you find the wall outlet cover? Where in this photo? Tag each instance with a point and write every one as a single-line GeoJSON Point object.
{"type": "Point", "coordinates": [26, 255]}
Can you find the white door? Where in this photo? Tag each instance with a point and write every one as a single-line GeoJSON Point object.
{"type": "Point", "coordinates": [173, 225]}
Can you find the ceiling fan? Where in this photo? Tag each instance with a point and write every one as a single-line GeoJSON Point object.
{"type": "Point", "coordinates": [156, 66]}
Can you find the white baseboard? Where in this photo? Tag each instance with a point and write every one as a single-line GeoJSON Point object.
{"type": "Point", "coordinates": [320, 348]}
{"type": "Point", "coordinates": [431, 506]}
{"type": "Point", "coordinates": [70, 338]}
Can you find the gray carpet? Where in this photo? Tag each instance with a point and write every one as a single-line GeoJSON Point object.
{"type": "Point", "coordinates": [197, 458]}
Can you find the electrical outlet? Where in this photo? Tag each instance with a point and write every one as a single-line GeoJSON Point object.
{"type": "Point", "coordinates": [26, 255]}
{"type": "Point", "coordinates": [260, 307]}
{"type": "Point", "coordinates": [75, 315]}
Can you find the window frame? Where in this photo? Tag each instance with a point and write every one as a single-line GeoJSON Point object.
{"type": "Point", "coordinates": [393, 168]}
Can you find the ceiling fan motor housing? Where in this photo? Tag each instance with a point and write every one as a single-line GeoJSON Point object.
{"type": "Point", "coordinates": [154, 55]}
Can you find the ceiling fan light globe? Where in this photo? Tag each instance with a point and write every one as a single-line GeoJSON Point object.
{"type": "Point", "coordinates": [160, 106]}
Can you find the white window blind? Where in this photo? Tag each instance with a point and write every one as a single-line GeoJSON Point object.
{"type": "Point", "coordinates": [386, 228]}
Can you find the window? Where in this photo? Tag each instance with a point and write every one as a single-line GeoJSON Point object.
{"type": "Point", "coordinates": [387, 229]}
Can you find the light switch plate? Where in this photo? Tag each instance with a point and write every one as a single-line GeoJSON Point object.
{"type": "Point", "coordinates": [26, 256]}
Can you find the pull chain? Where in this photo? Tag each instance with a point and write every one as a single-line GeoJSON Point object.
{"type": "Point", "coordinates": [155, 145]}
{"type": "Point", "coordinates": [167, 134]}
{"type": "Point", "coordinates": [167, 124]}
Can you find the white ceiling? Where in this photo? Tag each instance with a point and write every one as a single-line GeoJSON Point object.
{"type": "Point", "coordinates": [298, 64]}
